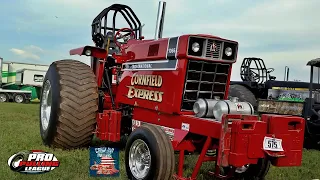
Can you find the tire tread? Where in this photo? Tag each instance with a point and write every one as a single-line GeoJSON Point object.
{"type": "Point", "coordinates": [243, 93]}
{"type": "Point", "coordinates": [78, 105]}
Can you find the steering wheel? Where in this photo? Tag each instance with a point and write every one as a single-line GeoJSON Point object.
{"type": "Point", "coordinates": [250, 75]}
{"type": "Point", "coordinates": [254, 75]}
{"type": "Point", "coordinates": [118, 35]}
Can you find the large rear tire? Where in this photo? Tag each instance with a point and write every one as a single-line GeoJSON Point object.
{"type": "Point", "coordinates": [243, 93]}
{"type": "Point", "coordinates": [68, 105]}
{"type": "Point", "coordinates": [156, 151]}
{"type": "Point", "coordinates": [250, 172]}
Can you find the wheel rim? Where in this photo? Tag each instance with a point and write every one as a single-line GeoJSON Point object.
{"type": "Point", "coordinates": [242, 169]}
{"type": "Point", "coordinates": [3, 98]}
{"type": "Point", "coordinates": [139, 159]}
{"type": "Point", "coordinates": [46, 101]}
{"type": "Point", "coordinates": [18, 98]}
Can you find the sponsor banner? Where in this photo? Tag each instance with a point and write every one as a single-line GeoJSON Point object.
{"type": "Point", "coordinates": [104, 162]}
{"type": "Point", "coordinates": [280, 107]}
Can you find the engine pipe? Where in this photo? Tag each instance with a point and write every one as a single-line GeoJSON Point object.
{"type": "Point", "coordinates": [160, 20]}
{"type": "Point", "coordinates": [286, 73]}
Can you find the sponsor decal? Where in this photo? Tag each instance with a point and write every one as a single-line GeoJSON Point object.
{"type": "Point", "coordinates": [289, 88]}
{"type": "Point", "coordinates": [169, 131]}
{"type": "Point", "coordinates": [145, 80]}
{"type": "Point", "coordinates": [213, 47]}
{"type": "Point", "coordinates": [239, 107]}
{"type": "Point", "coordinates": [161, 65]}
{"type": "Point", "coordinates": [168, 64]}
{"type": "Point", "coordinates": [185, 126]}
{"type": "Point", "coordinates": [172, 48]}
{"type": "Point", "coordinates": [288, 95]}
{"type": "Point", "coordinates": [104, 162]}
{"type": "Point", "coordinates": [33, 162]}
{"type": "Point", "coordinates": [139, 66]}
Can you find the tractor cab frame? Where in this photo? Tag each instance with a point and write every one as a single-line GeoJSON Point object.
{"type": "Point", "coordinates": [103, 30]}
{"type": "Point", "coordinates": [255, 75]}
{"type": "Point", "coordinates": [254, 70]}
{"type": "Point", "coordinates": [311, 110]}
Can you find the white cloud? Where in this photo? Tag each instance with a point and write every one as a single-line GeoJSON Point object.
{"type": "Point", "coordinates": [270, 21]}
{"type": "Point", "coordinates": [282, 32]}
{"type": "Point", "coordinates": [259, 26]}
{"type": "Point", "coordinates": [24, 54]}
{"type": "Point", "coordinates": [30, 52]}
{"type": "Point", "coordinates": [75, 19]}
{"type": "Point", "coordinates": [34, 49]}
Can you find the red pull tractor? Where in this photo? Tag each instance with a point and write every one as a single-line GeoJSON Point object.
{"type": "Point", "coordinates": [168, 95]}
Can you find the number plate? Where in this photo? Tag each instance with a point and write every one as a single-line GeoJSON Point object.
{"type": "Point", "coordinates": [272, 144]}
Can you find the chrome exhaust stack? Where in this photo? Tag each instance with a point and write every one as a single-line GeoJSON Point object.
{"type": "Point", "coordinates": [160, 20]}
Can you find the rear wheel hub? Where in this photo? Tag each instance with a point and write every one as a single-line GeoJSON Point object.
{"type": "Point", "coordinates": [46, 105]}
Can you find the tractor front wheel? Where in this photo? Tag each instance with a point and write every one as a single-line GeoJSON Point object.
{"type": "Point", "coordinates": [68, 105]}
{"type": "Point", "coordinates": [149, 154]}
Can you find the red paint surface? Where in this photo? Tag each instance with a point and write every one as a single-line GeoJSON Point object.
{"type": "Point", "coordinates": [238, 143]}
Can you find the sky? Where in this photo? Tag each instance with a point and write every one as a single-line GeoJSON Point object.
{"type": "Point", "coordinates": [282, 32]}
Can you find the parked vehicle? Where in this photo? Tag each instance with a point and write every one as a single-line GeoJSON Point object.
{"type": "Point", "coordinates": [257, 82]}
{"type": "Point", "coordinates": [20, 82]}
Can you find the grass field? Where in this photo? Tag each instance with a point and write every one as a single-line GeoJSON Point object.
{"type": "Point", "coordinates": [20, 131]}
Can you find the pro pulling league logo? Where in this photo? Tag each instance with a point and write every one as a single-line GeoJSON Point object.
{"type": "Point", "coordinates": [33, 162]}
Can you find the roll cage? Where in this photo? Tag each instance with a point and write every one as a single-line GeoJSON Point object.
{"type": "Point", "coordinates": [100, 22]}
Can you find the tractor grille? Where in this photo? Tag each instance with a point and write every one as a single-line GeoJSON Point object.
{"type": "Point", "coordinates": [213, 54]}
{"type": "Point", "coordinates": [204, 80]}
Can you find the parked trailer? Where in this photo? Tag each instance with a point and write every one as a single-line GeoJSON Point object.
{"type": "Point", "coordinates": [30, 77]}
{"type": "Point", "coordinates": [163, 91]}
{"type": "Point", "coordinates": [18, 96]}
{"type": "Point", "coordinates": [20, 82]}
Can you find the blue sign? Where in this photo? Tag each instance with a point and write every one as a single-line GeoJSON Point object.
{"type": "Point", "coordinates": [104, 162]}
